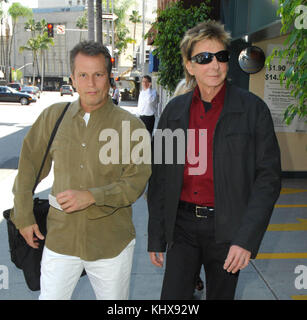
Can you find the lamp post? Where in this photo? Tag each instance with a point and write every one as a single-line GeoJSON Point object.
{"type": "Point", "coordinates": [143, 40]}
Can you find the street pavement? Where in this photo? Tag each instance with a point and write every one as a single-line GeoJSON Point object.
{"type": "Point", "coordinates": [278, 273]}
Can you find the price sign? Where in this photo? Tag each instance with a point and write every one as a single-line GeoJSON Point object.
{"type": "Point", "coordinates": [277, 97]}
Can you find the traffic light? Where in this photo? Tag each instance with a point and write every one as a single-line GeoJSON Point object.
{"type": "Point", "coordinates": [147, 56]}
{"type": "Point", "coordinates": [135, 63]}
{"type": "Point", "coordinates": [50, 30]}
{"type": "Point", "coordinates": [113, 62]}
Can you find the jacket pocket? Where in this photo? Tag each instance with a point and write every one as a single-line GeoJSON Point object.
{"type": "Point", "coordinates": [238, 142]}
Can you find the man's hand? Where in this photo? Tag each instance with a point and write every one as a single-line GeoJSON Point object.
{"type": "Point", "coordinates": [74, 200]}
{"type": "Point", "coordinates": [237, 259]}
{"type": "Point", "coordinates": [157, 258]}
{"type": "Point", "coordinates": [31, 234]}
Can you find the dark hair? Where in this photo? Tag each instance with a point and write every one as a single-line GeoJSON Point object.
{"type": "Point", "coordinates": [90, 48]}
{"type": "Point", "coordinates": [147, 77]}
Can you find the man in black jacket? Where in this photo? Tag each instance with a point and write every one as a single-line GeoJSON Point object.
{"type": "Point", "coordinates": [211, 208]}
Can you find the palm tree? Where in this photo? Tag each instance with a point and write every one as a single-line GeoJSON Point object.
{"type": "Point", "coordinates": [82, 24]}
{"type": "Point", "coordinates": [91, 18]}
{"type": "Point", "coordinates": [121, 39]}
{"type": "Point", "coordinates": [16, 10]}
{"type": "Point", "coordinates": [134, 18]}
{"type": "Point", "coordinates": [37, 45]}
{"type": "Point", "coordinates": [33, 46]}
{"type": "Point", "coordinates": [99, 21]}
{"type": "Point", "coordinates": [1, 40]}
{"type": "Point", "coordinates": [41, 26]}
{"type": "Point", "coordinates": [31, 25]}
{"type": "Point", "coordinates": [45, 43]}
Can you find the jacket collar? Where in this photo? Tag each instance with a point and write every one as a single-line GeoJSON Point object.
{"type": "Point", "coordinates": [77, 109]}
{"type": "Point", "coordinates": [232, 103]}
{"type": "Point", "coordinates": [184, 102]}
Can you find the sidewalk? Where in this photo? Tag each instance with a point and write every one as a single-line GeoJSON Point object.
{"type": "Point", "coordinates": [269, 277]}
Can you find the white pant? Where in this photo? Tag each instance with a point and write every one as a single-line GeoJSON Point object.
{"type": "Point", "coordinates": [110, 278]}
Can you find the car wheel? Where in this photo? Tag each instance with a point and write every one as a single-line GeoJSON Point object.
{"type": "Point", "coordinates": [24, 101]}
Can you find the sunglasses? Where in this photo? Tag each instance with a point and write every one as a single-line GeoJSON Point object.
{"type": "Point", "coordinates": [207, 57]}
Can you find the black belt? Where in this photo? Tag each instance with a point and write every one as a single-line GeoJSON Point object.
{"type": "Point", "coordinates": [199, 211]}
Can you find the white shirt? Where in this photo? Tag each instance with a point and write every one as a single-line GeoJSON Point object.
{"type": "Point", "coordinates": [115, 95]}
{"type": "Point", "coordinates": [147, 103]}
{"type": "Point", "coordinates": [86, 117]}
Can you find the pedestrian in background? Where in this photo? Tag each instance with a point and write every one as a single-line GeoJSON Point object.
{"type": "Point", "coordinates": [147, 104]}
{"type": "Point", "coordinates": [93, 227]}
{"type": "Point", "coordinates": [115, 94]}
{"type": "Point", "coordinates": [216, 216]}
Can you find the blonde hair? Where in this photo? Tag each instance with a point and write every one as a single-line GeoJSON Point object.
{"type": "Point", "coordinates": [212, 30]}
{"type": "Point", "coordinates": [181, 88]}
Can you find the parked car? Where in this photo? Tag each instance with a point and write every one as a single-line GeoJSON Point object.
{"type": "Point", "coordinates": [66, 89]}
{"type": "Point", "coordinates": [8, 94]}
{"type": "Point", "coordinates": [16, 86]}
{"type": "Point", "coordinates": [32, 90]}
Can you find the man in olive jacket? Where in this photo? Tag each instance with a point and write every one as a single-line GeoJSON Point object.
{"type": "Point", "coordinates": [98, 175]}
{"type": "Point", "coordinates": [212, 208]}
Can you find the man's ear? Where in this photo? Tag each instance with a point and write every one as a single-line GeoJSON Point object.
{"type": "Point", "coordinates": [189, 68]}
{"type": "Point", "coordinates": [72, 80]}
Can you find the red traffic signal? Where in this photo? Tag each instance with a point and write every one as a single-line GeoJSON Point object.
{"type": "Point", "coordinates": [50, 30]}
{"type": "Point", "coordinates": [113, 61]}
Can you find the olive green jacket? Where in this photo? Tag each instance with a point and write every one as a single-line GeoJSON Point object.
{"type": "Point", "coordinates": [80, 155]}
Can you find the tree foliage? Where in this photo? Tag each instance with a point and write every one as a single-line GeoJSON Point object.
{"type": "Point", "coordinates": [171, 26]}
{"type": "Point", "coordinates": [38, 43]}
{"type": "Point", "coordinates": [294, 23]}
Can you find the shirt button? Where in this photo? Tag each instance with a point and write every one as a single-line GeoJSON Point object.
{"type": "Point", "coordinates": [83, 144]}
{"type": "Point", "coordinates": [81, 166]}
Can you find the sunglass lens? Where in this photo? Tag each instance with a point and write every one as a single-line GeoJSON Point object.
{"type": "Point", "coordinates": [207, 57]}
{"type": "Point", "coordinates": [204, 58]}
{"type": "Point", "coordinates": [222, 56]}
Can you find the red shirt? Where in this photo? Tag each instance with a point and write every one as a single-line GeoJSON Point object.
{"type": "Point", "coordinates": [198, 187]}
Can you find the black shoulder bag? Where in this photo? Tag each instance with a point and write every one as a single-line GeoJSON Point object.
{"type": "Point", "coordinates": [22, 255]}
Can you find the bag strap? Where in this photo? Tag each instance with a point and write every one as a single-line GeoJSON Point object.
{"type": "Point", "coordinates": [55, 129]}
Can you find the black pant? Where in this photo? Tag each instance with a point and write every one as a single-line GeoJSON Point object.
{"type": "Point", "coordinates": [194, 245]}
{"type": "Point", "coordinates": [149, 122]}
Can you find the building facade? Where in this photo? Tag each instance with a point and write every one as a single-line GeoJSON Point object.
{"type": "Point", "coordinates": [54, 62]}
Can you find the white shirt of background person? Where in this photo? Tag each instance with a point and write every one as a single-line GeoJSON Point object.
{"type": "Point", "coordinates": [147, 103]}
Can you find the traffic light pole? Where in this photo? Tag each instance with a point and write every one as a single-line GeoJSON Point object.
{"type": "Point", "coordinates": [143, 40]}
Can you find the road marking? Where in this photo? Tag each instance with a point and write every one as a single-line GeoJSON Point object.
{"type": "Point", "coordinates": [290, 206]}
{"type": "Point", "coordinates": [291, 190]}
{"type": "Point", "coordinates": [299, 297]}
{"type": "Point", "coordinates": [301, 226]}
{"type": "Point", "coordinates": [283, 255]}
